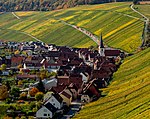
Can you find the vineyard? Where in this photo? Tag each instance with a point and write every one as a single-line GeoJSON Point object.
{"type": "Point", "coordinates": [118, 30]}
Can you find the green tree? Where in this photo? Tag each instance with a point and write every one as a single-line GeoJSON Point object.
{"type": "Point", "coordinates": [40, 86]}
{"type": "Point", "coordinates": [3, 67]}
{"type": "Point", "coordinates": [15, 91]}
{"type": "Point", "coordinates": [39, 96]}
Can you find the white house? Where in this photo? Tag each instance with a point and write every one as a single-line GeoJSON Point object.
{"type": "Point", "coordinates": [48, 84]}
{"type": "Point", "coordinates": [54, 99]}
{"type": "Point", "coordinates": [46, 111]}
{"type": "Point", "coordinates": [85, 98]}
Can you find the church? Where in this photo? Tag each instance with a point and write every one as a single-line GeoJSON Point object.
{"type": "Point", "coordinates": [107, 52]}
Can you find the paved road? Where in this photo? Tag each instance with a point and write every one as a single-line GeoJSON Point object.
{"type": "Point", "coordinates": [145, 26]}
{"type": "Point", "coordinates": [84, 31]}
{"type": "Point", "coordinates": [146, 18]}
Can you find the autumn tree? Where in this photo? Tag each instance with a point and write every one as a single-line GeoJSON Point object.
{"type": "Point", "coordinates": [20, 83]}
{"type": "Point", "coordinates": [33, 91]}
{"type": "Point", "coordinates": [3, 92]}
{"type": "Point", "coordinates": [23, 96]}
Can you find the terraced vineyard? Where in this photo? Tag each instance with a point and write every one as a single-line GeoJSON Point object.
{"type": "Point", "coordinates": [128, 95]}
{"type": "Point", "coordinates": [119, 30]}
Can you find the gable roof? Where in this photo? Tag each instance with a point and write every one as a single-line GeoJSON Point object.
{"type": "Point", "coordinates": [50, 107]}
{"type": "Point", "coordinates": [58, 97]}
{"type": "Point", "coordinates": [73, 86]}
{"type": "Point", "coordinates": [66, 94]}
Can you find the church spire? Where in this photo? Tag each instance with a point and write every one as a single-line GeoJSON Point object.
{"type": "Point", "coordinates": [101, 45]}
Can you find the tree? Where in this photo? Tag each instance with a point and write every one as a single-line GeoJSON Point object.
{"type": "Point", "coordinates": [23, 96]}
{"type": "Point", "coordinates": [15, 91]}
{"type": "Point", "coordinates": [7, 117]}
{"type": "Point", "coordinates": [40, 86]}
{"type": "Point", "coordinates": [17, 52]}
{"type": "Point", "coordinates": [20, 82]}
{"type": "Point", "coordinates": [135, 2]}
{"type": "Point", "coordinates": [8, 85]}
{"type": "Point", "coordinates": [39, 96]}
{"type": "Point", "coordinates": [33, 92]}
{"type": "Point", "coordinates": [19, 66]}
{"type": "Point", "coordinates": [3, 67]}
{"type": "Point", "coordinates": [32, 105]}
{"type": "Point", "coordinates": [8, 100]}
{"type": "Point", "coordinates": [3, 92]}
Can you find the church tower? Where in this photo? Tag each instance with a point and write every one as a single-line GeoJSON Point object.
{"type": "Point", "coordinates": [101, 47]}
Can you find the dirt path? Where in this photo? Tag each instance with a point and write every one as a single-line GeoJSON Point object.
{"type": "Point", "coordinates": [25, 32]}
{"type": "Point", "coordinates": [15, 15]}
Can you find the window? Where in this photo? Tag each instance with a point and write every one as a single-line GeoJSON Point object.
{"type": "Point", "coordinates": [45, 110]}
{"type": "Point", "coordinates": [45, 114]}
{"type": "Point", "coordinates": [52, 100]}
{"type": "Point", "coordinates": [48, 114]}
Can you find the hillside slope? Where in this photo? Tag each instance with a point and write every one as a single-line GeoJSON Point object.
{"type": "Point", "coordinates": [121, 27]}
{"type": "Point", "coordinates": [127, 95]}
{"type": "Point", "coordinates": [44, 5]}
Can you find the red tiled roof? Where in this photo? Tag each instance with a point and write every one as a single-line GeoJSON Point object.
{"type": "Point", "coordinates": [112, 52]}
{"type": "Point", "coordinates": [59, 88]}
{"type": "Point", "coordinates": [26, 76]}
{"type": "Point", "coordinates": [17, 59]}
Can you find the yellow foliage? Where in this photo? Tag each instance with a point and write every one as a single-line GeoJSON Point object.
{"type": "Point", "coordinates": [69, 17]}
{"type": "Point", "coordinates": [20, 82]}
{"type": "Point", "coordinates": [21, 25]}
{"type": "Point", "coordinates": [23, 14]}
{"type": "Point", "coordinates": [7, 117]}
{"type": "Point", "coordinates": [119, 28]}
{"type": "Point", "coordinates": [3, 92]}
{"type": "Point", "coordinates": [83, 22]}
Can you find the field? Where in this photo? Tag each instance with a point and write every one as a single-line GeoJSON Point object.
{"type": "Point", "coordinates": [118, 30]}
{"type": "Point", "coordinates": [127, 95]}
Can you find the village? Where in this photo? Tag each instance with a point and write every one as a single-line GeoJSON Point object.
{"type": "Point", "coordinates": [59, 77]}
